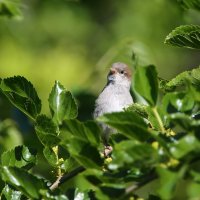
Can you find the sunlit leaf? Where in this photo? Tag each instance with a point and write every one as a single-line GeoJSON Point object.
{"type": "Point", "coordinates": [146, 83]}
{"type": "Point", "coordinates": [81, 195]}
{"type": "Point", "coordinates": [22, 94]}
{"type": "Point", "coordinates": [11, 194]}
{"type": "Point", "coordinates": [23, 181]}
{"type": "Point", "coordinates": [139, 109]}
{"type": "Point", "coordinates": [62, 104]}
{"type": "Point", "coordinates": [178, 102]}
{"type": "Point", "coordinates": [188, 143]}
{"type": "Point", "coordinates": [128, 123]}
{"type": "Point", "coordinates": [193, 76]}
{"type": "Point", "coordinates": [185, 121]}
{"type": "Point", "coordinates": [185, 36]}
{"type": "Point", "coordinates": [21, 156]}
{"type": "Point", "coordinates": [132, 154]}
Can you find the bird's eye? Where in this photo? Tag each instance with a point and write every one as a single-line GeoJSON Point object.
{"type": "Point", "coordinates": [122, 72]}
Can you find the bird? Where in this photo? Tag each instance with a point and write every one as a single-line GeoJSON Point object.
{"type": "Point", "coordinates": [114, 97]}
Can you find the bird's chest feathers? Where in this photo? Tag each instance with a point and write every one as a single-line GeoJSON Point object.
{"type": "Point", "coordinates": [114, 98]}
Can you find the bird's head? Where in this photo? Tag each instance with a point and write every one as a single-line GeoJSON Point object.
{"type": "Point", "coordinates": [120, 74]}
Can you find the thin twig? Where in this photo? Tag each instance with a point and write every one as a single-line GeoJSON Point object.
{"type": "Point", "coordinates": [60, 180]}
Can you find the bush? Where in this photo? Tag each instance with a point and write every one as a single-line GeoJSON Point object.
{"type": "Point", "coordinates": [158, 144]}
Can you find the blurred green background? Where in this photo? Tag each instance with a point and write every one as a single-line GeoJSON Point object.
{"type": "Point", "coordinates": [75, 41]}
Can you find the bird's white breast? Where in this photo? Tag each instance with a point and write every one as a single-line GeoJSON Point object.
{"type": "Point", "coordinates": [114, 98]}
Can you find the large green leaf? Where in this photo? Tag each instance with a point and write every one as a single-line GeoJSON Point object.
{"type": "Point", "coordinates": [62, 104]}
{"type": "Point", "coordinates": [194, 4]}
{"type": "Point", "coordinates": [167, 183]}
{"type": "Point", "coordinates": [19, 157]}
{"type": "Point", "coordinates": [146, 83]}
{"type": "Point", "coordinates": [88, 131]}
{"type": "Point", "coordinates": [128, 123]}
{"type": "Point", "coordinates": [46, 131]}
{"type": "Point", "coordinates": [23, 181]}
{"type": "Point", "coordinates": [185, 121]}
{"type": "Point", "coordinates": [178, 102]}
{"type": "Point", "coordinates": [192, 76]}
{"type": "Point", "coordinates": [131, 154]}
{"type": "Point", "coordinates": [185, 36]}
{"type": "Point", "coordinates": [22, 94]}
{"type": "Point", "coordinates": [85, 153]}
{"type": "Point", "coordinates": [11, 194]}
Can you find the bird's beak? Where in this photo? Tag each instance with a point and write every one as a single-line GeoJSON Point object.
{"type": "Point", "coordinates": [112, 71]}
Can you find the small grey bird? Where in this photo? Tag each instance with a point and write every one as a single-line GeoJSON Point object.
{"type": "Point", "coordinates": [115, 95]}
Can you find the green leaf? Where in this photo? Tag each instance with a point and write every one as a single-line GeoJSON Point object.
{"type": "Point", "coordinates": [88, 131]}
{"type": "Point", "coordinates": [195, 175]}
{"type": "Point", "coordinates": [81, 195]}
{"type": "Point", "coordinates": [185, 36]}
{"type": "Point", "coordinates": [113, 190]}
{"type": "Point", "coordinates": [69, 164]}
{"type": "Point", "coordinates": [46, 131]}
{"type": "Point", "coordinates": [19, 157]}
{"type": "Point", "coordinates": [104, 186]}
{"type": "Point", "coordinates": [127, 123]}
{"type": "Point", "coordinates": [178, 102]}
{"type": "Point", "coordinates": [139, 109]}
{"type": "Point", "coordinates": [185, 145]}
{"type": "Point", "coordinates": [62, 104]}
{"type": "Point", "coordinates": [85, 153]}
{"type": "Point", "coordinates": [185, 121]}
{"type": "Point", "coordinates": [11, 194]}
{"type": "Point", "coordinates": [22, 95]}
{"type": "Point", "coordinates": [50, 156]}
{"type": "Point", "coordinates": [23, 181]}
{"type": "Point", "coordinates": [167, 183]}
{"type": "Point", "coordinates": [10, 9]}
{"type": "Point", "coordinates": [131, 154]}
{"type": "Point", "coordinates": [187, 4]}
{"type": "Point", "coordinates": [183, 79]}
{"type": "Point", "coordinates": [146, 83]}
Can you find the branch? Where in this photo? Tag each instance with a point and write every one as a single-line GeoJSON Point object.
{"type": "Point", "coordinates": [61, 179]}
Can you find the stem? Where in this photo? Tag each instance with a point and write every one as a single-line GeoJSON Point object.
{"type": "Point", "coordinates": [59, 173]}
{"type": "Point", "coordinates": [156, 114]}
{"type": "Point", "coordinates": [61, 179]}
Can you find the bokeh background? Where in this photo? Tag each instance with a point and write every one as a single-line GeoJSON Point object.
{"type": "Point", "coordinates": [74, 41]}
